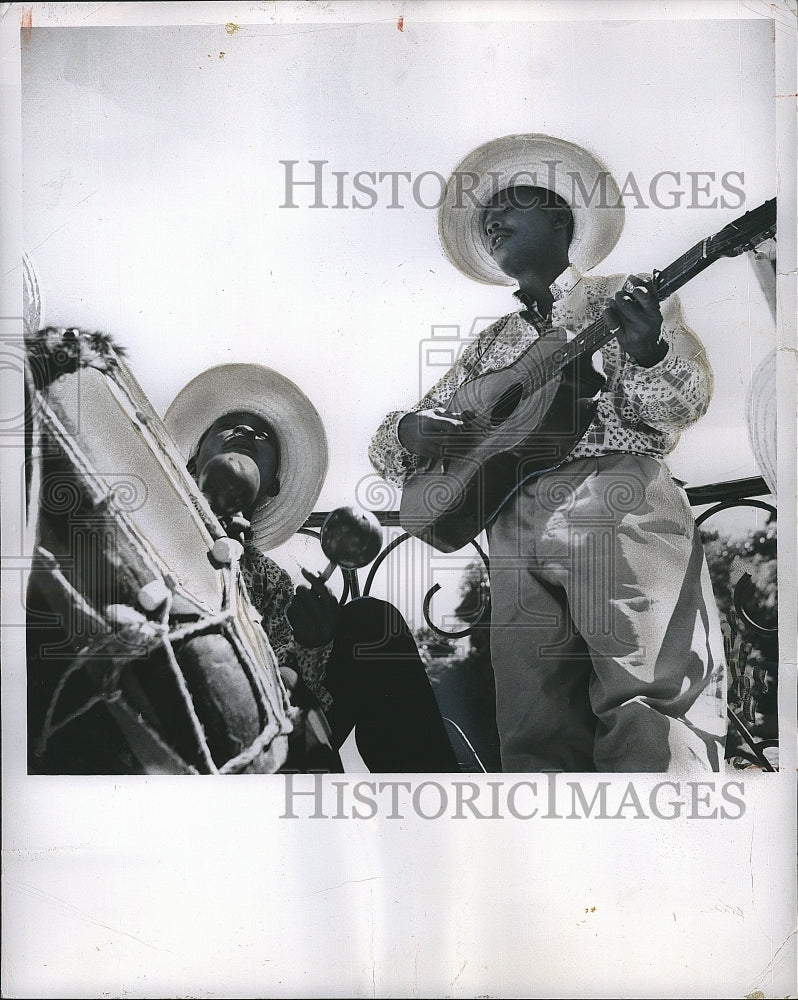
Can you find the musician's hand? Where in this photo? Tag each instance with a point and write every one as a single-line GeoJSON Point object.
{"type": "Point", "coordinates": [429, 432]}
{"type": "Point", "coordinates": [635, 319]}
{"type": "Point", "coordinates": [312, 613]}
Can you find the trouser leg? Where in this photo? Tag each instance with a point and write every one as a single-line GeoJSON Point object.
{"type": "Point", "coordinates": [541, 665]}
{"type": "Point", "coordinates": [608, 545]}
{"type": "Point", "coordinates": [380, 687]}
{"type": "Point", "coordinates": [627, 551]}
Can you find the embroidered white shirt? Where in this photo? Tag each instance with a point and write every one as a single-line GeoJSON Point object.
{"type": "Point", "coordinates": [640, 410]}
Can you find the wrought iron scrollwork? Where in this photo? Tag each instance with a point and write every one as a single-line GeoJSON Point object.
{"type": "Point", "coordinates": [352, 583]}
{"type": "Point", "coordinates": [482, 615]}
{"type": "Point", "coordinates": [744, 585]}
{"type": "Point", "coordinates": [748, 748]}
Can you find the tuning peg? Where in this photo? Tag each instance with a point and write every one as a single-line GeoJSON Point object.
{"type": "Point", "coordinates": [766, 250]}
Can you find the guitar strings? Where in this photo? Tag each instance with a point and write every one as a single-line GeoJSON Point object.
{"type": "Point", "coordinates": [761, 223]}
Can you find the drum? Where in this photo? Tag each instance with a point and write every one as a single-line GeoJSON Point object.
{"type": "Point", "coordinates": [145, 654]}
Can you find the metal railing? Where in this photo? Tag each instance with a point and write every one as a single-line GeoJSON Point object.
{"type": "Point", "coordinates": [716, 497]}
{"type": "Point", "coordinates": [722, 496]}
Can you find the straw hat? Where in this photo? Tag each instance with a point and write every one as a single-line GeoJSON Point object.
{"type": "Point", "coordinates": [532, 161]}
{"type": "Point", "coordinates": [761, 417]}
{"type": "Point", "coordinates": [296, 423]}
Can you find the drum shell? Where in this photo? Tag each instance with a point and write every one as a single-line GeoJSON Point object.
{"type": "Point", "coordinates": [114, 510]}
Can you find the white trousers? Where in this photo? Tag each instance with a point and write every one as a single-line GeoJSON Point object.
{"type": "Point", "coordinates": [605, 638]}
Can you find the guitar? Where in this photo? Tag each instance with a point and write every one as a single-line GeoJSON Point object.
{"type": "Point", "coordinates": [525, 419]}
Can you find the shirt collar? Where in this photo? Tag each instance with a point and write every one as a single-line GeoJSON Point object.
{"type": "Point", "coordinates": [564, 284]}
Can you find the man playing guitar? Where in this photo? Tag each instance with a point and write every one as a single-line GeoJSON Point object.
{"type": "Point", "coordinates": [604, 628]}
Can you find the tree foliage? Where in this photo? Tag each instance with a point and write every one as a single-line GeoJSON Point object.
{"type": "Point", "coordinates": [756, 555]}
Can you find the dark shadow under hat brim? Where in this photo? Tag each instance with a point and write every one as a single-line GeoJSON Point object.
{"type": "Point", "coordinates": [295, 420]}
{"type": "Point", "coordinates": [532, 160]}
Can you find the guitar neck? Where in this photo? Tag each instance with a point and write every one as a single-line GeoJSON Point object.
{"type": "Point", "coordinates": [745, 233]}
{"type": "Point", "coordinates": [666, 282]}
{"type": "Point", "coordinates": [448, 507]}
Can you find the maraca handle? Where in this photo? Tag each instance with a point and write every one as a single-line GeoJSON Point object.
{"type": "Point", "coordinates": [328, 572]}
{"type": "Point", "coordinates": [321, 577]}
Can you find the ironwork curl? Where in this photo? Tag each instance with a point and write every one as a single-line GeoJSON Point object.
{"type": "Point", "coordinates": [744, 585]}
{"type": "Point", "coordinates": [380, 559]}
{"type": "Point", "coordinates": [725, 504]}
{"type": "Point", "coordinates": [483, 611]}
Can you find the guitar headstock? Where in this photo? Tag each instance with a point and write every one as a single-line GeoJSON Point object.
{"type": "Point", "coordinates": [745, 233]}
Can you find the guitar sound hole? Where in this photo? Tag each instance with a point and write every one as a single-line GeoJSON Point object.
{"type": "Point", "coordinates": [506, 404]}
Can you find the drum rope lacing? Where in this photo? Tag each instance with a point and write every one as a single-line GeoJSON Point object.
{"type": "Point", "coordinates": [237, 620]}
{"type": "Point", "coordinates": [162, 636]}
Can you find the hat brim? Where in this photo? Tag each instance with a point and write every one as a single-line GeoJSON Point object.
{"type": "Point", "coordinates": [761, 417]}
{"type": "Point", "coordinates": [532, 160]}
{"type": "Point", "coordinates": [300, 434]}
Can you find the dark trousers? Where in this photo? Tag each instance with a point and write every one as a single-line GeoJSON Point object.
{"type": "Point", "coordinates": [381, 690]}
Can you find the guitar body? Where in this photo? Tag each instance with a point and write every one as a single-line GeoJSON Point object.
{"type": "Point", "coordinates": [526, 418]}
{"type": "Point", "coordinates": [512, 433]}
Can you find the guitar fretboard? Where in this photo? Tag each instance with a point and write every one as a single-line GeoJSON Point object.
{"type": "Point", "coordinates": [741, 235]}
{"type": "Point", "coordinates": [596, 335]}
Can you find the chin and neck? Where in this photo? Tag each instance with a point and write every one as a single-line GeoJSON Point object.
{"type": "Point", "coordinates": [534, 282]}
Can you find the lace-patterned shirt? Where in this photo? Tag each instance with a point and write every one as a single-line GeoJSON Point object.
{"type": "Point", "coordinates": [270, 589]}
{"type": "Point", "coordinates": [640, 410]}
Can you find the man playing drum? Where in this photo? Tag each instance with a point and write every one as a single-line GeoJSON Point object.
{"type": "Point", "coordinates": [256, 446]}
{"type": "Point", "coordinates": [107, 642]}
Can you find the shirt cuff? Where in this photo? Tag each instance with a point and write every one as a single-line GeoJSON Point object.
{"type": "Point", "coordinates": [312, 663]}
{"type": "Point", "coordinates": [634, 369]}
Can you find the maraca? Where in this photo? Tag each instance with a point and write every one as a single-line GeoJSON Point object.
{"type": "Point", "coordinates": [351, 537]}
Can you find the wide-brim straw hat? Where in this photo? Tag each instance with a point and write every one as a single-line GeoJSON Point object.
{"type": "Point", "coordinates": [295, 421]}
{"type": "Point", "coordinates": [533, 160]}
{"type": "Point", "coordinates": [762, 416]}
